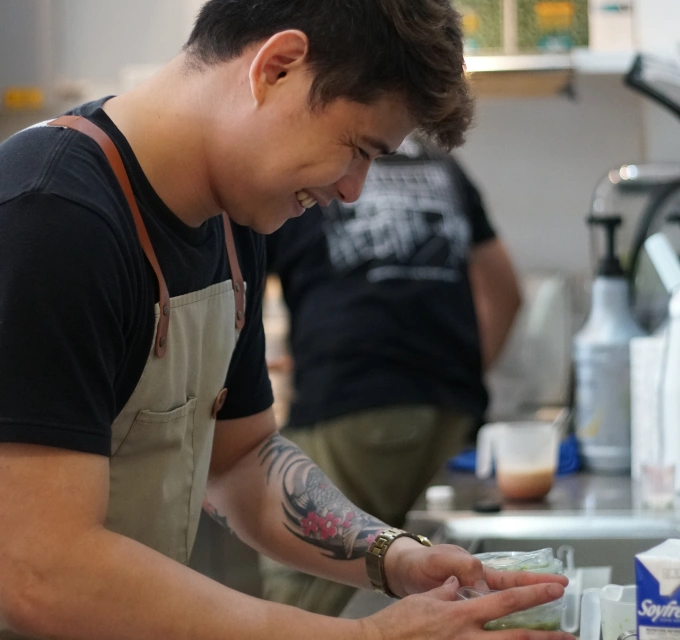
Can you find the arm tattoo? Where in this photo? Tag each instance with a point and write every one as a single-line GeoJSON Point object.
{"type": "Point", "coordinates": [212, 511]}
{"type": "Point", "coordinates": [315, 510]}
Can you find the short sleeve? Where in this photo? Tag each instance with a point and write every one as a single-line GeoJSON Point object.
{"type": "Point", "coordinates": [62, 326]}
{"type": "Point", "coordinates": [482, 230]}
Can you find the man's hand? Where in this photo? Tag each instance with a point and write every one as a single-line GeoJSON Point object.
{"type": "Point", "coordinates": [412, 568]}
{"type": "Point", "coordinates": [499, 580]}
{"type": "Point", "coordinates": [436, 615]}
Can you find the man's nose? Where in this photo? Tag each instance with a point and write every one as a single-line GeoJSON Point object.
{"type": "Point", "coordinates": [350, 185]}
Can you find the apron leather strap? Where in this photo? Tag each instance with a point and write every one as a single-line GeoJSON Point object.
{"type": "Point", "coordinates": [236, 277]}
{"type": "Point", "coordinates": [83, 125]}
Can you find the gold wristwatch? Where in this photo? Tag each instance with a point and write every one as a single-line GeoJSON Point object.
{"type": "Point", "coordinates": [375, 557]}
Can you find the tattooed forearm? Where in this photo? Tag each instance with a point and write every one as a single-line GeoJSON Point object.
{"type": "Point", "coordinates": [212, 511]}
{"type": "Point", "coordinates": [315, 510]}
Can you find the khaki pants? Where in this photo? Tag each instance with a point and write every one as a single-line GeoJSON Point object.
{"type": "Point", "coordinates": [382, 460]}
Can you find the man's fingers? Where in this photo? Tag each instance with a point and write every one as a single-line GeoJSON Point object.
{"type": "Point", "coordinates": [499, 580]}
{"type": "Point", "coordinates": [502, 603]}
{"type": "Point", "coordinates": [526, 634]}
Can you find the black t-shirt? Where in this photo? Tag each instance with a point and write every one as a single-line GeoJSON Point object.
{"type": "Point", "coordinates": [77, 293]}
{"type": "Point", "coordinates": [379, 296]}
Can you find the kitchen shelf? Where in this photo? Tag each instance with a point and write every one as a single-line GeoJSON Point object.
{"type": "Point", "coordinates": [518, 63]}
{"type": "Point", "coordinates": [541, 74]}
{"type": "Point", "coordinates": [602, 62]}
{"type": "Point", "coordinates": [492, 75]}
{"type": "Point", "coordinates": [578, 60]}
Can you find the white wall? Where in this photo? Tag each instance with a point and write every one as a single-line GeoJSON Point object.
{"type": "Point", "coordinates": [658, 33]}
{"type": "Point", "coordinates": [657, 26]}
{"type": "Point", "coordinates": [95, 38]}
{"type": "Point", "coordinates": [99, 36]}
{"type": "Point", "coordinates": [537, 162]}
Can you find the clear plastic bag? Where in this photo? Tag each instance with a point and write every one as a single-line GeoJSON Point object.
{"type": "Point", "coordinates": [545, 617]}
{"type": "Point", "coordinates": [540, 561]}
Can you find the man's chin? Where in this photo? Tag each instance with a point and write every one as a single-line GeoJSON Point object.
{"type": "Point", "coordinates": [265, 224]}
{"type": "Point", "coordinates": [257, 223]}
{"type": "Point", "coordinates": [265, 227]}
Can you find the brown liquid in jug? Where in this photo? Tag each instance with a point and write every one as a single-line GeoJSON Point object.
{"type": "Point", "coordinates": [525, 485]}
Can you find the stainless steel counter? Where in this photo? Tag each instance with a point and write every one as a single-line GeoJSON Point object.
{"type": "Point", "coordinates": [580, 491]}
{"type": "Point", "coordinates": [599, 517]}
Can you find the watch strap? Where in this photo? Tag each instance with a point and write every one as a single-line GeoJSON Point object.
{"type": "Point", "coordinates": [375, 557]}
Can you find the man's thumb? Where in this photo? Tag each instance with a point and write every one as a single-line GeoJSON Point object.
{"type": "Point", "coordinates": [447, 591]}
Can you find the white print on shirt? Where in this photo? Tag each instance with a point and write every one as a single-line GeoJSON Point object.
{"type": "Point", "coordinates": [408, 224]}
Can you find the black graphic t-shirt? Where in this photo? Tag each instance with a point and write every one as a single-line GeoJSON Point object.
{"type": "Point", "coordinates": [77, 293]}
{"type": "Point", "coordinates": [379, 296]}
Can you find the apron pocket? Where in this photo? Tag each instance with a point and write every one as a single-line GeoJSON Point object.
{"type": "Point", "coordinates": [155, 458]}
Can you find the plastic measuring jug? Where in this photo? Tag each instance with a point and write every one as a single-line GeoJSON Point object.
{"type": "Point", "coordinates": [525, 457]}
{"type": "Point", "coordinates": [612, 608]}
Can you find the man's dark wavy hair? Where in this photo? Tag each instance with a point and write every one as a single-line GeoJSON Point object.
{"type": "Point", "coordinates": [358, 50]}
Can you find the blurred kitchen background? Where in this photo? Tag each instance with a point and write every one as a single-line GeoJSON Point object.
{"type": "Point", "coordinates": [554, 120]}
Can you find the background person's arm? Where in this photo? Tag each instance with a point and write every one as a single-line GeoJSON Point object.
{"type": "Point", "coordinates": [496, 294]}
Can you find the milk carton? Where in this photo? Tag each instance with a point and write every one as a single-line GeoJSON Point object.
{"type": "Point", "coordinates": [657, 574]}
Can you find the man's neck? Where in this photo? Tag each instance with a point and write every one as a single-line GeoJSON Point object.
{"type": "Point", "coordinates": [161, 120]}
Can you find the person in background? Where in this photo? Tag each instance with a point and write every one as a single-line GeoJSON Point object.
{"type": "Point", "coordinates": [398, 304]}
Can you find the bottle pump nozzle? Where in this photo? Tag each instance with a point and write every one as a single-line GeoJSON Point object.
{"type": "Point", "coordinates": [609, 265]}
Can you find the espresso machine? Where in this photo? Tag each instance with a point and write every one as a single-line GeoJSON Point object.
{"type": "Point", "coordinates": [649, 193]}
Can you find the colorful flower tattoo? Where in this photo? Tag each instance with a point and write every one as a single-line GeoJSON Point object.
{"type": "Point", "coordinates": [315, 510]}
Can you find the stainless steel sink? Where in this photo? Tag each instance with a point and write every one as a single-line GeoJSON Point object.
{"type": "Point", "coordinates": [601, 539]}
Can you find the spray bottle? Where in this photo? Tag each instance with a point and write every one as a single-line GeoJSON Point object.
{"type": "Point", "coordinates": [602, 364]}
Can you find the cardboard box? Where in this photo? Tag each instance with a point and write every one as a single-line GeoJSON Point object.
{"type": "Point", "coordinates": [657, 574]}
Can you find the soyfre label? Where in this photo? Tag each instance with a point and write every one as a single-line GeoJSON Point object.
{"type": "Point", "coordinates": [649, 611]}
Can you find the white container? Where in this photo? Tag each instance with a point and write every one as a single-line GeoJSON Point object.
{"type": "Point", "coordinates": [525, 456]}
{"type": "Point", "coordinates": [670, 409]}
{"type": "Point", "coordinates": [645, 402]}
{"type": "Point", "coordinates": [440, 497]}
{"type": "Point", "coordinates": [611, 611]}
{"type": "Point", "coordinates": [667, 265]}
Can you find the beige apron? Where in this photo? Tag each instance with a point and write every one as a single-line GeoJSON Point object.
{"type": "Point", "coordinates": [162, 439]}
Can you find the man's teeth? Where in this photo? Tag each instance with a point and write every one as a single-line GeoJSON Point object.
{"type": "Point", "coordinates": [305, 199]}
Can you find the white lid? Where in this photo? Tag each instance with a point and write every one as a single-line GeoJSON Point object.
{"type": "Point", "coordinates": [440, 497]}
{"type": "Point", "coordinates": [440, 492]}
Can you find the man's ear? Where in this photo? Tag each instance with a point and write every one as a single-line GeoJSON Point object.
{"type": "Point", "coordinates": [285, 52]}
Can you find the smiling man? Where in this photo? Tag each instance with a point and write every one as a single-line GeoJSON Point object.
{"type": "Point", "coordinates": [130, 302]}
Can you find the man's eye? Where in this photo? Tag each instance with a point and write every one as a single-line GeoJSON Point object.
{"type": "Point", "coordinates": [363, 154]}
